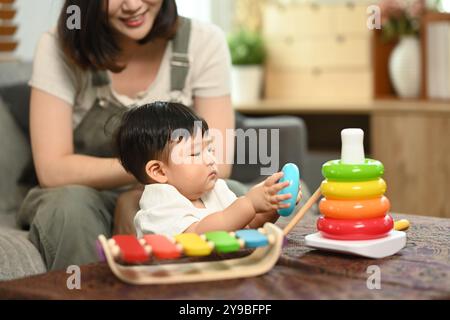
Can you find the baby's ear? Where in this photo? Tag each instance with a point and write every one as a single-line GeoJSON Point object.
{"type": "Point", "coordinates": [155, 170]}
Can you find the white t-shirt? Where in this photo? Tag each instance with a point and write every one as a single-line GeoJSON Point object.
{"type": "Point", "coordinates": [208, 76]}
{"type": "Point", "coordinates": [165, 211]}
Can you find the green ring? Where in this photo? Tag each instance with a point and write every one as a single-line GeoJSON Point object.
{"type": "Point", "coordinates": [334, 170]}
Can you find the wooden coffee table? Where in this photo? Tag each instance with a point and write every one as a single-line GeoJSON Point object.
{"type": "Point", "coordinates": [420, 271]}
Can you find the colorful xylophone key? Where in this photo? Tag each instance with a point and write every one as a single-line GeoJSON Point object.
{"type": "Point", "coordinates": [252, 238]}
{"type": "Point", "coordinates": [223, 241]}
{"type": "Point", "coordinates": [193, 244]}
{"type": "Point", "coordinates": [129, 249]}
{"type": "Point", "coordinates": [162, 247]}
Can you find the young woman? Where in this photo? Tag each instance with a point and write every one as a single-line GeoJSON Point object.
{"type": "Point", "coordinates": [127, 52]}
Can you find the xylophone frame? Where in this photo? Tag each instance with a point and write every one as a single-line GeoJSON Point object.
{"type": "Point", "coordinates": [258, 262]}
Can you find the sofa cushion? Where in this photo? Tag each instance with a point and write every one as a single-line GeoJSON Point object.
{"type": "Point", "coordinates": [17, 98]}
{"type": "Point", "coordinates": [19, 258]}
{"type": "Point", "coordinates": [14, 158]}
{"type": "Point", "coordinates": [15, 72]}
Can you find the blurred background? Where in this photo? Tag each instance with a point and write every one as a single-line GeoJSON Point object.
{"type": "Point", "coordinates": [383, 66]}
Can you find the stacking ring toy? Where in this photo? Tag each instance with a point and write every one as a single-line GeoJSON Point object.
{"type": "Point", "coordinates": [361, 229]}
{"type": "Point", "coordinates": [354, 209]}
{"type": "Point", "coordinates": [291, 174]}
{"type": "Point", "coordinates": [353, 190]}
{"type": "Point", "coordinates": [335, 170]}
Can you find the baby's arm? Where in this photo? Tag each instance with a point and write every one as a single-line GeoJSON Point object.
{"type": "Point", "coordinates": [263, 217]}
{"type": "Point", "coordinates": [235, 217]}
{"type": "Point", "coordinates": [261, 198]}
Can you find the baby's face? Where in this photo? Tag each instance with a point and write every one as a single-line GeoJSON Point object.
{"type": "Point", "coordinates": [192, 167]}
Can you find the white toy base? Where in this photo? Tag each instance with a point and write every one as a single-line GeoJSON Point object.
{"type": "Point", "coordinates": [377, 248]}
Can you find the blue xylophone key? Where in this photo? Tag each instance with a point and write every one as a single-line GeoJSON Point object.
{"type": "Point", "coordinates": [252, 238]}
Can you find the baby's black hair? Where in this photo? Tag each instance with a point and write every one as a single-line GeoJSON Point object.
{"type": "Point", "coordinates": [145, 132]}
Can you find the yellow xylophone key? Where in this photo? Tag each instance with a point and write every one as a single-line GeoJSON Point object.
{"type": "Point", "coordinates": [193, 244]}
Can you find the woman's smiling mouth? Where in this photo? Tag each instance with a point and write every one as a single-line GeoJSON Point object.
{"type": "Point", "coordinates": [135, 21]}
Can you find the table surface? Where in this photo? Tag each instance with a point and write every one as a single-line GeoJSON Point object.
{"type": "Point", "coordinates": [419, 271]}
{"type": "Point", "coordinates": [264, 107]}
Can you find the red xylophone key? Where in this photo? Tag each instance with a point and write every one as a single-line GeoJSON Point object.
{"type": "Point", "coordinates": [162, 247]}
{"type": "Point", "coordinates": [130, 248]}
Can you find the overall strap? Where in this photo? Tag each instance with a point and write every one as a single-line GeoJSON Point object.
{"type": "Point", "coordinates": [100, 82]}
{"type": "Point", "coordinates": [179, 64]}
{"type": "Point", "coordinates": [99, 78]}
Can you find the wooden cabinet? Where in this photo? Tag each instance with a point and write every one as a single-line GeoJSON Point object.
{"type": "Point", "coordinates": [351, 18]}
{"type": "Point", "coordinates": [412, 139]}
{"type": "Point", "coordinates": [318, 52]}
{"type": "Point", "coordinates": [316, 85]}
{"type": "Point", "coordinates": [297, 53]}
{"type": "Point", "coordinates": [296, 19]}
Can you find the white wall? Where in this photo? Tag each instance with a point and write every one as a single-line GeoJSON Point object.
{"type": "Point", "coordinates": [445, 5]}
{"type": "Point", "coordinates": [199, 9]}
{"type": "Point", "coordinates": [34, 17]}
{"type": "Point", "coordinates": [219, 12]}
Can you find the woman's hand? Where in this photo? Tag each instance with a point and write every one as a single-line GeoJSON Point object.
{"type": "Point", "coordinates": [264, 196]}
{"type": "Point", "coordinates": [53, 150]}
{"type": "Point", "coordinates": [127, 206]}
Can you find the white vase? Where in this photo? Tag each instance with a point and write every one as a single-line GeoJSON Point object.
{"type": "Point", "coordinates": [246, 84]}
{"type": "Point", "coordinates": [405, 67]}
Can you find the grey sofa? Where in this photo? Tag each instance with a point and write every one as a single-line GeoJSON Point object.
{"type": "Point", "coordinates": [18, 257]}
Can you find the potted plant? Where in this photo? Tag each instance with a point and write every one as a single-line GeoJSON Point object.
{"type": "Point", "coordinates": [247, 56]}
{"type": "Point", "coordinates": [401, 21]}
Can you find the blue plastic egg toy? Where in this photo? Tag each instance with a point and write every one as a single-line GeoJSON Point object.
{"type": "Point", "coordinates": [291, 174]}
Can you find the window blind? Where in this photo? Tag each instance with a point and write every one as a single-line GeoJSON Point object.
{"type": "Point", "coordinates": [8, 29]}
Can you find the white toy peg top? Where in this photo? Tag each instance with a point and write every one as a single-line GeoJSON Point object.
{"type": "Point", "coordinates": [352, 151]}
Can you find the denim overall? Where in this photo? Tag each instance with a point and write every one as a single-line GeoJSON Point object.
{"type": "Point", "coordinates": [65, 221]}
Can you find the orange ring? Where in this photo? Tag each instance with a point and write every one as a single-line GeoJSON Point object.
{"type": "Point", "coordinates": [354, 209]}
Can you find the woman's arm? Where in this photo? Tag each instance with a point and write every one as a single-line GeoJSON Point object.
{"type": "Point", "coordinates": [219, 114]}
{"type": "Point", "coordinates": [53, 151]}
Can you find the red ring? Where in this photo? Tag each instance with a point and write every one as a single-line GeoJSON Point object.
{"type": "Point", "coordinates": [360, 229]}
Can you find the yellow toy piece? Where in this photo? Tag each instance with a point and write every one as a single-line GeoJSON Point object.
{"type": "Point", "coordinates": [401, 225]}
{"type": "Point", "coordinates": [193, 245]}
{"type": "Point", "coordinates": [353, 190]}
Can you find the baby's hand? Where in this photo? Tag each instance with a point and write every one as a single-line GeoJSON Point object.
{"type": "Point", "coordinates": [264, 195]}
{"type": "Point", "coordinates": [299, 196]}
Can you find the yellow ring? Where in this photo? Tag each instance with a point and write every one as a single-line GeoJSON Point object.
{"type": "Point", "coordinates": [353, 190]}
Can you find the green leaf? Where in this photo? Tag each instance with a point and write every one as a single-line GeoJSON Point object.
{"type": "Point", "coordinates": [246, 48]}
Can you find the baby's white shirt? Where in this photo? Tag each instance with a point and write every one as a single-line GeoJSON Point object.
{"type": "Point", "coordinates": [164, 210]}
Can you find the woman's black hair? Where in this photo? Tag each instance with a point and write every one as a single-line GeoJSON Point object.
{"type": "Point", "coordinates": [145, 132]}
{"type": "Point", "coordinates": [94, 45]}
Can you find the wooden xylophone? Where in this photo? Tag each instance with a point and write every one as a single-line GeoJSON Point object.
{"type": "Point", "coordinates": [128, 257]}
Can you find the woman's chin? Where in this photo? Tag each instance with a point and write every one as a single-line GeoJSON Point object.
{"type": "Point", "coordinates": [135, 34]}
